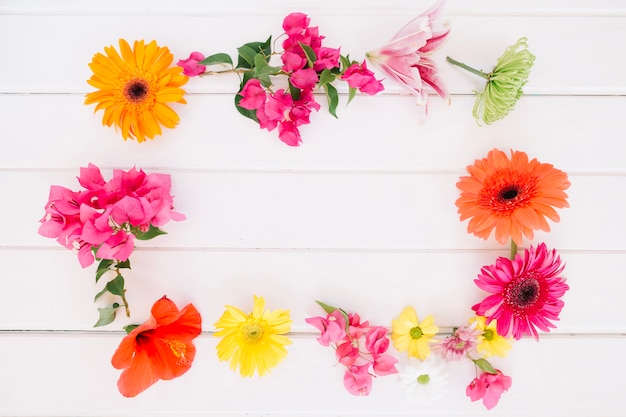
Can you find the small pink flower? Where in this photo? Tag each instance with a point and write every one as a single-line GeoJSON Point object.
{"type": "Point", "coordinates": [132, 210]}
{"type": "Point", "coordinates": [332, 327]}
{"type": "Point", "coordinates": [460, 344]}
{"type": "Point", "coordinates": [357, 380]}
{"type": "Point", "coordinates": [295, 23]}
{"type": "Point", "coordinates": [118, 246]}
{"type": "Point", "coordinates": [489, 387]}
{"type": "Point", "coordinates": [348, 352]}
{"type": "Point", "coordinates": [406, 58]}
{"type": "Point", "coordinates": [253, 94]}
{"type": "Point", "coordinates": [304, 79]}
{"type": "Point", "coordinates": [278, 105]}
{"type": "Point", "coordinates": [91, 178]}
{"type": "Point", "coordinates": [62, 214]}
{"type": "Point", "coordinates": [376, 340]}
{"type": "Point", "coordinates": [190, 66]}
{"type": "Point", "coordinates": [385, 365]}
{"type": "Point", "coordinates": [358, 76]}
{"type": "Point", "coordinates": [293, 61]}
{"type": "Point", "coordinates": [327, 58]}
{"type": "Point", "coordinates": [288, 132]}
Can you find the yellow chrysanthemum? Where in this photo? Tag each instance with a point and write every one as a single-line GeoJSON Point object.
{"type": "Point", "coordinates": [407, 333]}
{"type": "Point", "coordinates": [134, 88]}
{"type": "Point", "coordinates": [253, 341]}
{"type": "Point", "coordinates": [489, 342]}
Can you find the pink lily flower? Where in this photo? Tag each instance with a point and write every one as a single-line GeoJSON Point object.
{"type": "Point", "coordinates": [406, 58]}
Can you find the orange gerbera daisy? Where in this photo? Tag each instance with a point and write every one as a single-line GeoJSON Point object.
{"type": "Point", "coordinates": [161, 348]}
{"type": "Point", "coordinates": [514, 196]}
{"type": "Point", "coordinates": [134, 88]}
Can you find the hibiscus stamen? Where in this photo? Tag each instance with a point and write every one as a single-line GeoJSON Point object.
{"type": "Point", "coordinates": [179, 349]}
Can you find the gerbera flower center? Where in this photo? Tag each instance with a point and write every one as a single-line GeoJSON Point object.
{"type": "Point", "coordinates": [505, 190]}
{"type": "Point", "coordinates": [523, 293]}
{"type": "Point", "coordinates": [416, 332]}
{"type": "Point", "coordinates": [136, 90]}
{"type": "Point", "coordinates": [253, 332]}
{"type": "Point", "coordinates": [508, 193]}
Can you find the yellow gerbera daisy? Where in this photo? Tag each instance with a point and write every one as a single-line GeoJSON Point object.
{"type": "Point", "coordinates": [134, 88]}
{"type": "Point", "coordinates": [253, 341]}
{"type": "Point", "coordinates": [489, 342]}
{"type": "Point", "coordinates": [407, 333]}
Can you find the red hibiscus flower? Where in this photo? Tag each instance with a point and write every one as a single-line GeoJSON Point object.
{"type": "Point", "coordinates": [161, 348]}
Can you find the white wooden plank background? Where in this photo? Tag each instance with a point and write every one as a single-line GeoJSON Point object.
{"type": "Point", "coordinates": [364, 207]}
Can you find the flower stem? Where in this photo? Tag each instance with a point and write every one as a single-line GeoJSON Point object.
{"type": "Point", "coordinates": [125, 304]}
{"type": "Point", "coordinates": [468, 68]}
{"type": "Point", "coordinates": [513, 249]}
{"type": "Point", "coordinates": [231, 70]}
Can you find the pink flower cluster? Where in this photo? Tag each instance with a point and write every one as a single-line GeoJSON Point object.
{"type": "Point", "coordinates": [106, 217]}
{"type": "Point", "coordinates": [289, 109]}
{"type": "Point", "coordinates": [489, 387]}
{"type": "Point", "coordinates": [358, 346]}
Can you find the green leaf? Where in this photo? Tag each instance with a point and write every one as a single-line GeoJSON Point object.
{"type": "Point", "coordinates": [345, 62]}
{"type": "Point", "coordinates": [351, 94]}
{"type": "Point", "coordinates": [130, 328]}
{"type": "Point", "coordinates": [107, 315]}
{"type": "Point", "coordinates": [219, 58]}
{"type": "Point", "coordinates": [262, 70]}
{"type": "Point", "coordinates": [326, 77]}
{"type": "Point", "coordinates": [99, 294]}
{"type": "Point", "coordinates": [103, 268]}
{"type": "Point", "coordinates": [246, 56]}
{"type": "Point", "coordinates": [294, 92]}
{"type": "Point", "coordinates": [310, 54]}
{"type": "Point", "coordinates": [330, 309]}
{"type": "Point", "coordinates": [116, 286]}
{"type": "Point", "coordinates": [485, 366]}
{"type": "Point", "coordinates": [248, 51]}
{"type": "Point", "coordinates": [333, 99]}
{"type": "Point", "coordinates": [152, 232]}
{"type": "Point", "coordinates": [123, 264]}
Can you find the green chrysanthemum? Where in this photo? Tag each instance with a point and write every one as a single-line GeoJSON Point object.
{"type": "Point", "coordinates": [504, 82]}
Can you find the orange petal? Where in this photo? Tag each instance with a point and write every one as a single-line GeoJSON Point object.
{"type": "Point", "coordinates": [139, 376]}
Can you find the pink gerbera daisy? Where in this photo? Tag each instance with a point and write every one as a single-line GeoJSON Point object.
{"type": "Point", "coordinates": [525, 292]}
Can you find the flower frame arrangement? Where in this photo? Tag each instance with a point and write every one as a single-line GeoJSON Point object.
{"type": "Point", "coordinates": [510, 196]}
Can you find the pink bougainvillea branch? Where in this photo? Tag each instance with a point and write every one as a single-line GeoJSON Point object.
{"type": "Point", "coordinates": [306, 63]}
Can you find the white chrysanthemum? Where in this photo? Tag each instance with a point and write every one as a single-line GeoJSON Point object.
{"type": "Point", "coordinates": [426, 379]}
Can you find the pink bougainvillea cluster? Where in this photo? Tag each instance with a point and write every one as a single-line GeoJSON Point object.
{"type": "Point", "coordinates": [359, 347]}
{"type": "Point", "coordinates": [106, 217]}
{"type": "Point", "coordinates": [305, 62]}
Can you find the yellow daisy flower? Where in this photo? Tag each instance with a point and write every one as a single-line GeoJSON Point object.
{"type": "Point", "coordinates": [489, 342]}
{"type": "Point", "coordinates": [407, 333]}
{"type": "Point", "coordinates": [253, 341]}
{"type": "Point", "coordinates": [134, 88]}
